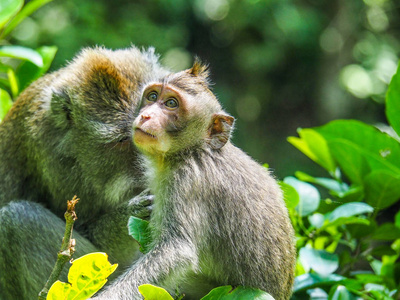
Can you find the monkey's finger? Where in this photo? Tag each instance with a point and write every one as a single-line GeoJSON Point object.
{"type": "Point", "coordinates": [141, 200]}
{"type": "Point", "coordinates": [146, 200]}
{"type": "Point", "coordinates": [143, 212]}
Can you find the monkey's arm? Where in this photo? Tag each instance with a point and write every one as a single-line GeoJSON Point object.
{"type": "Point", "coordinates": [109, 232]}
{"type": "Point", "coordinates": [173, 257]}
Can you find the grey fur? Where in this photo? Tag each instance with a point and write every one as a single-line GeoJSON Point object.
{"type": "Point", "coordinates": [68, 134]}
{"type": "Point", "coordinates": [218, 216]}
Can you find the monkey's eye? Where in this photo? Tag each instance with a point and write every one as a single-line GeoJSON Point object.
{"type": "Point", "coordinates": [171, 103]}
{"type": "Point", "coordinates": [152, 97]}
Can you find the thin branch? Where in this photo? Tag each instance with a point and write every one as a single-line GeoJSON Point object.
{"type": "Point", "coordinates": [67, 248]}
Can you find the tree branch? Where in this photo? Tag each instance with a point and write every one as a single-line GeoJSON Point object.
{"type": "Point", "coordinates": [67, 248]}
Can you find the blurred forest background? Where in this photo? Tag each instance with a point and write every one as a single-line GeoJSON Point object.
{"type": "Point", "coordinates": [277, 65]}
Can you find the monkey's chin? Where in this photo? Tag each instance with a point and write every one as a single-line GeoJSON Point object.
{"type": "Point", "coordinates": [151, 144]}
{"type": "Point", "coordinates": [142, 139]}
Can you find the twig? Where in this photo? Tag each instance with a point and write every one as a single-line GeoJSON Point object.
{"type": "Point", "coordinates": [67, 248]}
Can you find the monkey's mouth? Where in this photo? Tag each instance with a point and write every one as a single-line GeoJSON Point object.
{"type": "Point", "coordinates": [137, 129]}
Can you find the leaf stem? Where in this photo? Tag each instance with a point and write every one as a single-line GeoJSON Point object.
{"type": "Point", "coordinates": [67, 248]}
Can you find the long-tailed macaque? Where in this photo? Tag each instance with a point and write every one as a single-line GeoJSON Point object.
{"type": "Point", "coordinates": [218, 216]}
{"type": "Point", "coordinates": [70, 133]}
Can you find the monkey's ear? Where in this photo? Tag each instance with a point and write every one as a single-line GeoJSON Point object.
{"type": "Point", "coordinates": [102, 77]}
{"type": "Point", "coordinates": [99, 79]}
{"type": "Point", "coordinates": [220, 130]}
{"type": "Point", "coordinates": [199, 69]}
{"type": "Point", "coordinates": [61, 108]}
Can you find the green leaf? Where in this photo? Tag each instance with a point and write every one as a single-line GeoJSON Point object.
{"type": "Point", "coordinates": [309, 197]}
{"type": "Point", "coordinates": [340, 293]}
{"type": "Point", "coordinates": [140, 231]}
{"type": "Point", "coordinates": [382, 189]}
{"type": "Point", "coordinates": [216, 293]}
{"type": "Point", "coordinates": [393, 102]}
{"type": "Point", "coordinates": [87, 275]}
{"type": "Point", "coordinates": [349, 210]}
{"type": "Point", "coordinates": [374, 287]}
{"type": "Point", "coordinates": [151, 292]}
{"type": "Point", "coordinates": [13, 82]}
{"type": "Point", "coordinates": [322, 262]}
{"type": "Point", "coordinates": [345, 221]}
{"type": "Point", "coordinates": [354, 194]}
{"type": "Point", "coordinates": [59, 291]}
{"type": "Point", "coordinates": [386, 232]}
{"type": "Point", "coordinates": [4, 84]}
{"type": "Point", "coordinates": [378, 291]}
{"type": "Point", "coordinates": [366, 278]}
{"type": "Point", "coordinates": [26, 11]}
{"type": "Point", "coordinates": [396, 245]}
{"type": "Point", "coordinates": [361, 230]}
{"type": "Point", "coordinates": [5, 103]}
{"type": "Point", "coordinates": [376, 265]}
{"type": "Point", "coordinates": [312, 144]}
{"type": "Point", "coordinates": [239, 293]}
{"type": "Point", "coordinates": [380, 150]}
{"type": "Point", "coordinates": [397, 219]}
{"type": "Point", "coordinates": [389, 266]}
{"type": "Point", "coordinates": [316, 220]}
{"type": "Point", "coordinates": [309, 280]}
{"type": "Point", "coordinates": [8, 9]}
{"type": "Point", "coordinates": [382, 250]}
{"type": "Point", "coordinates": [290, 195]}
{"type": "Point", "coordinates": [330, 184]}
{"type": "Point", "coordinates": [22, 53]}
{"type": "Point", "coordinates": [352, 284]}
{"type": "Point", "coordinates": [317, 294]}
{"type": "Point", "coordinates": [28, 72]}
{"type": "Point", "coordinates": [350, 159]}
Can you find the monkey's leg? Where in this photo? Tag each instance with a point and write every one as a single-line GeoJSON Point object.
{"type": "Point", "coordinates": [30, 237]}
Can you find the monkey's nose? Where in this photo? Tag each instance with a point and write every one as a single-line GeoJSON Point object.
{"type": "Point", "coordinates": [144, 117]}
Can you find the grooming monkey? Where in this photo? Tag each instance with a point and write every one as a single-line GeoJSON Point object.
{"type": "Point", "coordinates": [70, 133]}
{"type": "Point", "coordinates": [218, 216]}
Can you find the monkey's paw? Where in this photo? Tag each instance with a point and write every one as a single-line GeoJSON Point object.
{"type": "Point", "coordinates": [142, 204]}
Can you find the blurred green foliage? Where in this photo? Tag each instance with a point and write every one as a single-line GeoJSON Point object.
{"type": "Point", "coordinates": [19, 66]}
{"type": "Point", "coordinates": [278, 65]}
{"type": "Point", "coordinates": [348, 229]}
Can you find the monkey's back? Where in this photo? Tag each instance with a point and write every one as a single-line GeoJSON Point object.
{"type": "Point", "coordinates": [234, 210]}
{"type": "Point", "coordinates": [252, 225]}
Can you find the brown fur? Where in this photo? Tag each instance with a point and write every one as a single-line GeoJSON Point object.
{"type": "Point", "coordinates": [68, 134]}
{"type": "Point", "coordinates": [219, 217]}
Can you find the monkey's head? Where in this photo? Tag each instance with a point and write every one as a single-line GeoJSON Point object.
{"type": "Point", "coordinates": [180, 112]}
{"type": "Point", "coordinates": [90, 117]}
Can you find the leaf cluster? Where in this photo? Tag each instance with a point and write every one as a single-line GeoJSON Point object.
{"type": "Point", "coordinates": [19, 66]}
{"type": "Point", "coordinates": [348, 236]}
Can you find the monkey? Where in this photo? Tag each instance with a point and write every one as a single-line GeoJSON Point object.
{"type": "Point", "coordinates": [70, 133]}
{"type": "Point", "coordinates": [218, 216]}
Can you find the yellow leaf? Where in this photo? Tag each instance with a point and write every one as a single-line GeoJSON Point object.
{"type": "Point", "coordinates": [86, 276]}
{"type": "Point", "coordinates": [59, 290]}
{"type": "Point", "coordinates": [151, 292]}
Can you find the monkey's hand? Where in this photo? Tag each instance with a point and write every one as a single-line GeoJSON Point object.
{"type": "Point", "coordinates": [142, 204]}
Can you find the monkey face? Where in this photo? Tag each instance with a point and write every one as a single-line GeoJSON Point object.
{"type": "Point", "coordinates": [161, 117]}
{"type": "Point", "coordinates": [180, 113]}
